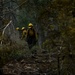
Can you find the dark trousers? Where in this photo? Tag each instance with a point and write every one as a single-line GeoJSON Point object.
{"type": "Point", "coordinates": [31, 41]}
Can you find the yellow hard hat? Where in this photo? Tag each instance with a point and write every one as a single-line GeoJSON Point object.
{"type": "Point", "coordinates": [23, 28]}
{"type": "Point", "coordinates": [17, 28]}
{"type": "Point", "coordinates": [30, 25]}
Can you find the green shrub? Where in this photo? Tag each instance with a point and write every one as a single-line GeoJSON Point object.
{"type": "Point", "coordinates": [11, 52]}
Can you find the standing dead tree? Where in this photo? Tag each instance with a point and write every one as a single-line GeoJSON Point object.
{"type": "Point", "coordinates": [9, 34]}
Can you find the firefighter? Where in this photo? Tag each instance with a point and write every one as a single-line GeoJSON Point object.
{"type": "Point", "coordinates": [17, 28]}
{"type": "Point", "coordinates": [20, 32]}
{"type": "Point", "coordinates": [31, 36]}
{"type": "Point", "coordinates": [24, 32]}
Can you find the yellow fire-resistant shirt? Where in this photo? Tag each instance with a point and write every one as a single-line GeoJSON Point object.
{"type": "Point", "coordinates": [24, 34]}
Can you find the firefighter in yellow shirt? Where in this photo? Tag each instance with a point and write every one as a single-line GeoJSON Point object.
{"type": "Point", "coordinates": [24, 32]}
{"type": "Point", "coordinates": [31, 36]}
{"type": "Point", "coordinates": [20, 32]}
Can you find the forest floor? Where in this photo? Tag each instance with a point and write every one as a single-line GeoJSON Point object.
{"type": "Point", "coordinates": [33, 65]}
